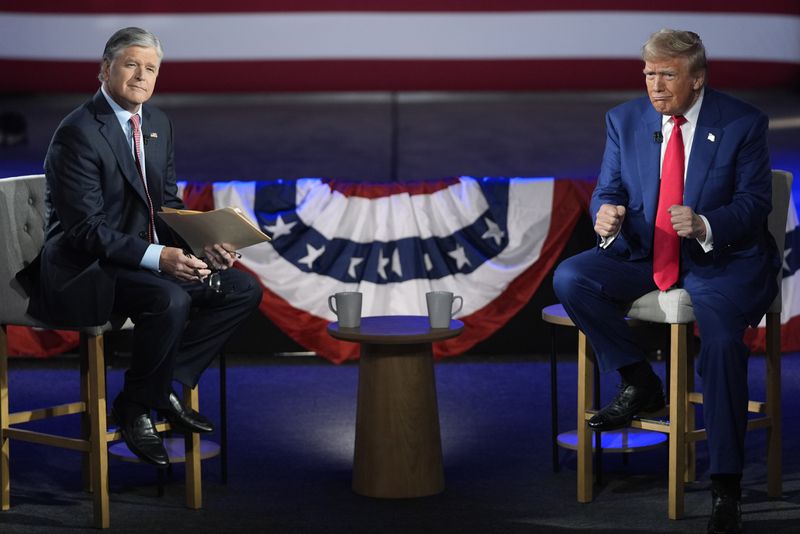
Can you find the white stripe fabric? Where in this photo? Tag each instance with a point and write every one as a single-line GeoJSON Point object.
{"type": "Point", "coordinates": [386, 35]}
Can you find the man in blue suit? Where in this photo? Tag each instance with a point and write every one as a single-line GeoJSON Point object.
{"type": "Point", "coordinates": [110, 168]}
{"type": "Point", "coordinates": [728, 262]}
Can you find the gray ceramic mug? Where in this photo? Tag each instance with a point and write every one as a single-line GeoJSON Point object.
{"type": "Point", "coordinates": [440, 307]}
{"type": "Point", "coordinates": [347, 308]}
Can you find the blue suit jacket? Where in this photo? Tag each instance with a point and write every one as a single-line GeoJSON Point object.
{"type": "Point", "coordinates": [728, 180]}
{"type": "Point", "coordinates": [98, 215]}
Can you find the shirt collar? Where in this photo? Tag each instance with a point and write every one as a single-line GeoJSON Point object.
{"type": "Point", "coordinates": [691, 115]}
{"type": "Point", "coordinates": [123, 115]}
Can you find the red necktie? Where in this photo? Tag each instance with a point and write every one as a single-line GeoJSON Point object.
{"type": "Point", "coordinates": [666, 243]}
{"type": "Point", "coordinates": [137, 148]}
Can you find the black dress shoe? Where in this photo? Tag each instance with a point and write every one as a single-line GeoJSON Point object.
{"type": "Point", "coordinates": [141, 438]}
{"type": "Point", "coordinates": [630, 400]}
{"type": "Point", "coordinates": [726, 513]}
{"type": "Point", "coordinates": [185, 419]}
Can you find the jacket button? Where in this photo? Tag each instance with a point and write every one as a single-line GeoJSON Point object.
{"type": "Point", "coordinates": [143, 234]}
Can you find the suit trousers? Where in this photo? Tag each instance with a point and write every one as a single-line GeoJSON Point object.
{"type": "Point", "coordinates": [596, 289]}
{"type": "Point", "coordinates": [180, 327]}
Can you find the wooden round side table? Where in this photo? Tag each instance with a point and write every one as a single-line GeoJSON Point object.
{"type": "Point", "coordinates": [398, 446]}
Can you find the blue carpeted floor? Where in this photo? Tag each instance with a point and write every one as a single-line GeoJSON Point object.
{"type": "Point", "coordinates": [291, 445]}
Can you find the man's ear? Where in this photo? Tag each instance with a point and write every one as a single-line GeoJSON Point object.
{"type": "Point", "coordinates": [104, 70]}
{"type": "Point", "coordinates": [699, 81]}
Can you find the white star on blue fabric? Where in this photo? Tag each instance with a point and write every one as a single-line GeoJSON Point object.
{"type": "Point", "coordinates": [280, 228]}
{"type": "Point", "coordinates": [428, 263]}
{"type": "Point", "coordinates": [354, 262]}
{"type": "Point", "coordinates": [786, 253]}
{"type": "Point", "coordinates": [493, 231]}
{"type": "Point", "coordinates": [382, 263]}
{"type": "Point", "coordinates": [311, 255]}
{"type": "Point", "coordinates": [460, 255]}
{"type": "Point", "coordinates": [396, 267]}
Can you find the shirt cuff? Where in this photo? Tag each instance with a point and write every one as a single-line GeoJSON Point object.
{"type": "Point", "coordinates": [606, 241]}
{"type": "Point", "coordinates": [151, 258]}
{"type": "Point", "coordinates": [708, 243]}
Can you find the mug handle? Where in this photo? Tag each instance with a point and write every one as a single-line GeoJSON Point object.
{"type": "Point", "coordinates": [331, 300]}
{"type": "Point", "coordinates": [460, 304]}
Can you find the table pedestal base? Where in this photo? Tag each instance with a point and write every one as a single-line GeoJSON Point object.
{"type": "Point", "coordinates": [398, 448]}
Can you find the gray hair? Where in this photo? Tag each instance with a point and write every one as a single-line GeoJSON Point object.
{"type": "Point", "coordinates": [131, 36]}
{"type": "Point", "coordinates": [668, 43]}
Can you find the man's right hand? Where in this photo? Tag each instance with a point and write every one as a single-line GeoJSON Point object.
{"type": "Point", "coordinates": [175, 262]}
{"type": "Point", "coordinates": [609, 220]}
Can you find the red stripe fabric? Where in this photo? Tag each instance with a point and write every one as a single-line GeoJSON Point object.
{"type": "Point", "coordinates": [457, 6]}
{"type": "Point", "coordinates": [35, 343]}
{"type": "Point", "coordinates": [389, 75]}
{"type": "Point", "coordinates": [373, 190]}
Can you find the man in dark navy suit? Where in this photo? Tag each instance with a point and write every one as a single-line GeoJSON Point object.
{"type": "Point", "coordinates": [110, 168]}
{"type": "Point", "coordinates": [724, 255]}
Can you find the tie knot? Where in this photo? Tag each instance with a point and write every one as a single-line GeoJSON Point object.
{"type": "Point", "coordinates": [135, 121]}
{"type": "Point", "coordinates": [677, 120]}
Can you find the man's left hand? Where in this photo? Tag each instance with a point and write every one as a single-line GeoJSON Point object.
{"type": "Point", "coordinates": [687, 223]}
{"type": "Point", "coordinates": [220, 255]}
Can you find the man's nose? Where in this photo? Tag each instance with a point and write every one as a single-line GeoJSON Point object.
{"type": "Point", "coordinates": [658, 83]}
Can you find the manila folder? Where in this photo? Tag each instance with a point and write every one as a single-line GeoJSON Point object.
{"type": "Point", "coordinates": [224, 225]}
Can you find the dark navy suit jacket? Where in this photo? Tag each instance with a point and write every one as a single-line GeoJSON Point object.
{"type": "Point", "coordinates": [98, 214]}
{"type": "Point", "coordinates": [728, 180]}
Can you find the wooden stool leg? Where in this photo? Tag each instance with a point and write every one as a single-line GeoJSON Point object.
{"type": "Point", "coordinates": [585, 395]}
{"type": "Point", "coordinates": [677, 419]}
{"type": "Point", "coordinates": [554, 399]}
{"type": "Point", "coordinates": [194, 493]}
{"type": "Point", "coordinates": [774, 447]}
{"type": "Point", "coordinates": [690, 473]}
{"type": "Point", "coordinates": [5, 482]}
{"type": "Point", "coordinates": [86, 425]}
{"type": "Point", "coordinates": [98, 444]}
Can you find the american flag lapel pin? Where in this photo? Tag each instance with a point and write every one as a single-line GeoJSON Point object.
{"type": "Point", "coordinates": [711, 137]}
{"type": "Point", "coordinates": [154, 135]}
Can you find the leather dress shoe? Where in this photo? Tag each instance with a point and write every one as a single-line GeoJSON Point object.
{"type": "Point", "coordinates": [630, 401]}
{"type": "Point", "coordinates": [184, 419]}
{"type": "Point", "coordinates": [141, 438]}
{"type": "Point", "coordinates": [726, 513]}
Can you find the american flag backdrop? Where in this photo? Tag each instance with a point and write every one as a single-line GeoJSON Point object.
{"type": "Point", "coordinates": [494, 240]}
{"type": "Point", "coordinates": [490, 240]}
{"type": "Point", "coordinates": [395, 45]}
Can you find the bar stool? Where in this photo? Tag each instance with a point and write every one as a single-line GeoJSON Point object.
{"type": "Point", "coordinates": [624, 440]}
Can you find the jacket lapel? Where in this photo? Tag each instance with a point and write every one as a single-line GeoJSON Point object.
{"type": "Point", "coordinates": [151, 157]}
{"type": "Point", "coordinates": [648, 155]}
{"type": "Point", "coordinates": [112, 132]}
{"type": "Point", "coordinates": [707, 137]}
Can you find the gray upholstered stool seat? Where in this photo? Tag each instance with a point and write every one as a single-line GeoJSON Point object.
{"type": "Point", "coordinates": [673, 306]}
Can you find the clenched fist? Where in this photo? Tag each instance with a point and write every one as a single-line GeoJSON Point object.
{"type": "Point", "coordinates": [609, 220]}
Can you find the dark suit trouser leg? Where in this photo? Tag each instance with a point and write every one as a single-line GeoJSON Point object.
{"type": "Point", "coordinates": [180, 327]}
{"type": "Point", "coordinates": [159, 307]}
{"type": "Point", "coordinates": [722, 365]}
{"type": "Point", "coordinates": [212, 323]}
{"type": "Point", "coordinates": [596, 290]}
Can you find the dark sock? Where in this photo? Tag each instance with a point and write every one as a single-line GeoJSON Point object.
{"type": "Point", "coordinates": [638, 374]}
{"type": "Point", "coordinates": [727, 484]}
